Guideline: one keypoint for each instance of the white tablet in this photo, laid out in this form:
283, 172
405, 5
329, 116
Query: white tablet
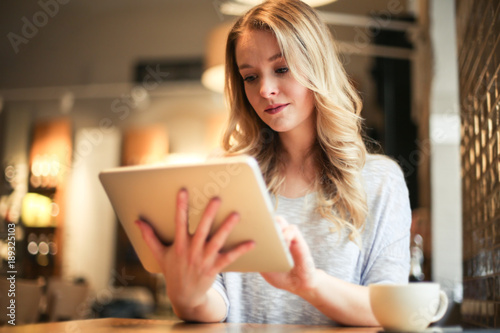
150, 192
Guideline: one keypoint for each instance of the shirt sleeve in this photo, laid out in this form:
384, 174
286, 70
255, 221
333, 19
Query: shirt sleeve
388, 256
220, 287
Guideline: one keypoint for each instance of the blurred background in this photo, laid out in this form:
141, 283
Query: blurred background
88, 85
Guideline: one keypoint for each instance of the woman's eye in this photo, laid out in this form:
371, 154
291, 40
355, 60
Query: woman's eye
282, 70
249, 78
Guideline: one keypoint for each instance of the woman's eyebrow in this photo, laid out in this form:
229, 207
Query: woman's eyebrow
270, 59
274, 57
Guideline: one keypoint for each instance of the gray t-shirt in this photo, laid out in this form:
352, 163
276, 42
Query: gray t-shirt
384, 255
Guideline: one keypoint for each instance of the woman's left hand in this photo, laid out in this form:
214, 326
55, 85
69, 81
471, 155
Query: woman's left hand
303, 276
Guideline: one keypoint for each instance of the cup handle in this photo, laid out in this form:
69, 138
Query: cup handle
443, 306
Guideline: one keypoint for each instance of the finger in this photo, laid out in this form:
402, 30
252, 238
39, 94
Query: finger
281, 221
283, 226
300, 251
181, 217
203, 229
289, 234
226, 258
218, 240
151, 240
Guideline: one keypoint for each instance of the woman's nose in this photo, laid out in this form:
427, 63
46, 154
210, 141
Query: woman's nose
268, 87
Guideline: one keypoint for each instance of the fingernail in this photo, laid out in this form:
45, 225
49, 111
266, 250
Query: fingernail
183, 193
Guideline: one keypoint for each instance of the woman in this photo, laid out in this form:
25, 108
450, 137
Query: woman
344, 213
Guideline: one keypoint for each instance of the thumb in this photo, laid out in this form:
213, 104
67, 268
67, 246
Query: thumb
300, 252
281, 221
153, 243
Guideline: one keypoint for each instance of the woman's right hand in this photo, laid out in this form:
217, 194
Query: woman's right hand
191, 264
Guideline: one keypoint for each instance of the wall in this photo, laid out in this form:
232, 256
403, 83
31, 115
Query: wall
85, 42
445, 160
90, 221
83, 47
478, 32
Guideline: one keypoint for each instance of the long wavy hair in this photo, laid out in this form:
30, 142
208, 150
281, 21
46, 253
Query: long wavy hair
339, 150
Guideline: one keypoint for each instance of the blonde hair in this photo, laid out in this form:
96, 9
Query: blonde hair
339, 151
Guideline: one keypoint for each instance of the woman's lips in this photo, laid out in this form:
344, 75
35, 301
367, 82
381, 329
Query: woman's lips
275, 108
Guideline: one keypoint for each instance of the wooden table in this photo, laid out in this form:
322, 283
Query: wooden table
110, 325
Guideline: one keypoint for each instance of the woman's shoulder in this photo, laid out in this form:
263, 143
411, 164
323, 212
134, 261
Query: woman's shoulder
382, 170
381, 164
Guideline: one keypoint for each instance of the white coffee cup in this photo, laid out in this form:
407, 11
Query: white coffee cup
410, 307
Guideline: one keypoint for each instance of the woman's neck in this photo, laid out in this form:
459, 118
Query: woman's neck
300, 178
297, 144
299, 159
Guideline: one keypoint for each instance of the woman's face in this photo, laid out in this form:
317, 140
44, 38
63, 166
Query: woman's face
279, 100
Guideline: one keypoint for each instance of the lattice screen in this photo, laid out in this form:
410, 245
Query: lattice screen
478, 36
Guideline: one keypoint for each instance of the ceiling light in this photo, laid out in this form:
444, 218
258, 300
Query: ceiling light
312, 3
240, 7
